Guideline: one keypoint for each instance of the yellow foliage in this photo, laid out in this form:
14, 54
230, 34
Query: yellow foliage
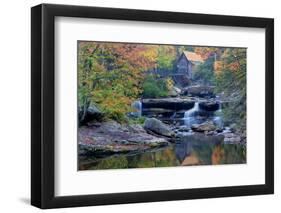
218, 65
169, 83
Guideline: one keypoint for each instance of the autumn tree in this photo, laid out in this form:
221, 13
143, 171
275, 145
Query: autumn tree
166, 57
226, 69
231, 81
110, 74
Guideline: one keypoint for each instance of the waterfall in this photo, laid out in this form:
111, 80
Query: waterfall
189, 117
137, 105
190, 112
218, 121
197, 116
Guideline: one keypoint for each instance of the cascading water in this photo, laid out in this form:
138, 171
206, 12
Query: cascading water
137, 105
217, 119
189, 116
197, 116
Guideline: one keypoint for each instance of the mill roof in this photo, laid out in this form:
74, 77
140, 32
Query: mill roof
192, 56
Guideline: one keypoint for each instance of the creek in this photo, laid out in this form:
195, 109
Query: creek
189, 149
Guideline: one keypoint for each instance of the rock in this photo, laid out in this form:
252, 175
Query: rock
219, 130
178, 90
174, 92
209, 132
92, 114
114, 138
231, 138
101, 151
209, 105
110, 126
179, 114
168, 103
124, 142
198, 90
233, 127
155, 112
243, 136
183, 129
206, 126
142, 139
94, 111
136, 128
156, 126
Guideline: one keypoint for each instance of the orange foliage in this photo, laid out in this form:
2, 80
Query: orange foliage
217, 155
205, 52
218, 65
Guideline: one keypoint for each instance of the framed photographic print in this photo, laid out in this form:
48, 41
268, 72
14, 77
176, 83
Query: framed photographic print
139, 106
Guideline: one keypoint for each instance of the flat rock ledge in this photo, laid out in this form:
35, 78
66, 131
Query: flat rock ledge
168, 103
110, 138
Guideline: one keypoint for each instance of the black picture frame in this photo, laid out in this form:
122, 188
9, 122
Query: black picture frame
43, 105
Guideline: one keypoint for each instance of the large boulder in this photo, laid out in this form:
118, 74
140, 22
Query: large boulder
174, 92
91, 114
209, 105
168, 103
198, 90
204, 127
156, 126
94, 111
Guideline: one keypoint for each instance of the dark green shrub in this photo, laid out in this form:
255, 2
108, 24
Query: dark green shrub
154, 88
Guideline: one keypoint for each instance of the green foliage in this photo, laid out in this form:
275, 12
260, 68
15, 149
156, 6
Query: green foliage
204, 74
233, 153
228, 74
154, 88
139, 120
231, 82
166, 57
180, 50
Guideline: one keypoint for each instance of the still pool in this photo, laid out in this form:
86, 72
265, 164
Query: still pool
189, 150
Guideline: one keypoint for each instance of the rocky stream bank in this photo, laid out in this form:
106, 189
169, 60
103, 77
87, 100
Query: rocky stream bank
167, 121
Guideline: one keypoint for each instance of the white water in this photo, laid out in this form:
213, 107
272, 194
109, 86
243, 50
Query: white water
137, 105
218, 121
190, 112
189, 117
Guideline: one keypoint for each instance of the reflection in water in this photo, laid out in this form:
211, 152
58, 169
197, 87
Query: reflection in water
189, 150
